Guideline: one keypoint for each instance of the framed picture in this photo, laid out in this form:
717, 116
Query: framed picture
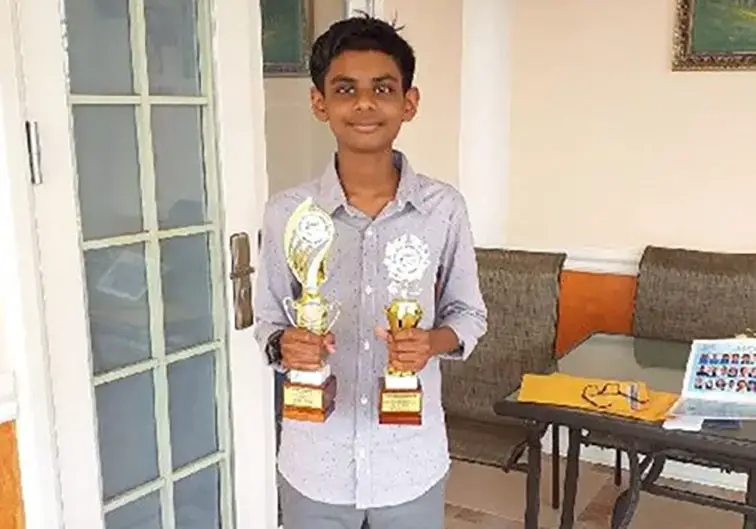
287, 35
715, 35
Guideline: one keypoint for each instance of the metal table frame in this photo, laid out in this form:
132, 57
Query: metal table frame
648, 447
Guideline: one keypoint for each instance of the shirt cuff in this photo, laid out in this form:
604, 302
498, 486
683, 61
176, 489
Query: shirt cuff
466, 337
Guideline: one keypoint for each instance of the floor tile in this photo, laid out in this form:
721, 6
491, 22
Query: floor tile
482, 497
462, 518
598, 513
492, 491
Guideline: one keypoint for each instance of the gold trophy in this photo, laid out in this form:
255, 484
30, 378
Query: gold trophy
309, 395
401, 398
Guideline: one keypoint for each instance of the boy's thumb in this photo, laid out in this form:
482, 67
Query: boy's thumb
382, 333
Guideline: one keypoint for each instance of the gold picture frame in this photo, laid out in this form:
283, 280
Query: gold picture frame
287, 36
715, 35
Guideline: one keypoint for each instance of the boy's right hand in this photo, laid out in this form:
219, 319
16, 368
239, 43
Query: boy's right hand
303, 350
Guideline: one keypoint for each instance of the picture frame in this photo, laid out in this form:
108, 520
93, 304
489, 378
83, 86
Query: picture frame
287, 36
715, 35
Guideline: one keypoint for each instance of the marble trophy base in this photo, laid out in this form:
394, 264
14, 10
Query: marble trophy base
309, 395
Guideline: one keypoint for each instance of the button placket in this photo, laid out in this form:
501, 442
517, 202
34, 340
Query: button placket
364, 374
366, 383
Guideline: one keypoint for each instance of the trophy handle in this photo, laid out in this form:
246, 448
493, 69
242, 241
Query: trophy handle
334, 310
290, 308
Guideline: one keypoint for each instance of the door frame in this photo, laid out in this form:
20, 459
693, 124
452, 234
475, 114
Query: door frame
48, 314
21, 285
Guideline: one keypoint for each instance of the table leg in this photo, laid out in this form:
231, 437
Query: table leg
627, 502
749, 522
533, 502
571, 480
555, 466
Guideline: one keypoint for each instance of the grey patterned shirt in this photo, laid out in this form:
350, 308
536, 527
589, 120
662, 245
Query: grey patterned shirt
351, 458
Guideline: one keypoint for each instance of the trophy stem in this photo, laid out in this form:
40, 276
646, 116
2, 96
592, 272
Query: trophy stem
401, 394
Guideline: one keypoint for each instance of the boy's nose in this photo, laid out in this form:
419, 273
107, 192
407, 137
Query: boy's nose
365, 101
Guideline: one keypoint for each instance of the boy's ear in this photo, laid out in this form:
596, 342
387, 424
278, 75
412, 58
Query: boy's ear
411, 103
317, 103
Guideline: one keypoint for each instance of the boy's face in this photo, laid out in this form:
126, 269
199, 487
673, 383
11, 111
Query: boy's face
363, 101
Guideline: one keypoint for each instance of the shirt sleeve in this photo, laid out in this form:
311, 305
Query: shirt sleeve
274, 281
460, 303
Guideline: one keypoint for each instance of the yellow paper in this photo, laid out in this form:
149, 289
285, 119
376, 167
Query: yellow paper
616, 397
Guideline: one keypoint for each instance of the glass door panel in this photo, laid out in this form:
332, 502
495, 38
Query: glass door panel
108, 167
139, 73
99, 46
178, 150
119, 315
187, 292
127, 434
144, 513
173, 52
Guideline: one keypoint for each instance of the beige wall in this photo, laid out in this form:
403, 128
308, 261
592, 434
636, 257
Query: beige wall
434, 29
610, 148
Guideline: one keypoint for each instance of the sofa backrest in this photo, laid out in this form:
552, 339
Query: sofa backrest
521, 291
687, 294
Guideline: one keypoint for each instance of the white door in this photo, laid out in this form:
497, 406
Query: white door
151, 150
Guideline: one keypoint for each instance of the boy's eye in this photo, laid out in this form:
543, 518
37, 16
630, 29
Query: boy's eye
345, 89
383, 89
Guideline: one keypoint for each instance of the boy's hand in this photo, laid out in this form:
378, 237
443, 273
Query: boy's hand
303, 350
409, 349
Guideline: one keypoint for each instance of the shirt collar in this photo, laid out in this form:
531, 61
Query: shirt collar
331, 194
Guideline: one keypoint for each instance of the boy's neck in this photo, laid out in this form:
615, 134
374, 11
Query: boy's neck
368, 175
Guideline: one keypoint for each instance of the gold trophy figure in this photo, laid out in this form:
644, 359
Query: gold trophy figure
309, 395
407, 258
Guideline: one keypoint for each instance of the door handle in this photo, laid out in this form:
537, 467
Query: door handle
241, 279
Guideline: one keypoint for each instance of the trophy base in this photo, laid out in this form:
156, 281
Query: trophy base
307, 402
400, 406
309, 378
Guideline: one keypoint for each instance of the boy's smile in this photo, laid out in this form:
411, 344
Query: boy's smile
363, 101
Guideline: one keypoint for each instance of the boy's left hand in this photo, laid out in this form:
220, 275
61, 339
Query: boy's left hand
409, 349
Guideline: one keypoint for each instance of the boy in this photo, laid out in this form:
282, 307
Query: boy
351, 470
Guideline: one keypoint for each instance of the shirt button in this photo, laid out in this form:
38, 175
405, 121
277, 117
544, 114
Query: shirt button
366, 345
364, 400
368, 290
369, 232
361, 453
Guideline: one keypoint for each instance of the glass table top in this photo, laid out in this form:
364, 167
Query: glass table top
659, 363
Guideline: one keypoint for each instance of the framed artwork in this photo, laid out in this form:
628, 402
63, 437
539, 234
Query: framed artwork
715, 35
287, 35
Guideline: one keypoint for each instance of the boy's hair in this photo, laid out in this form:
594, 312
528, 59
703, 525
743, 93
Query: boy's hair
361, 33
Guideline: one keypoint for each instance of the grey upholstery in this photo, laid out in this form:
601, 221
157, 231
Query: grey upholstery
521, 291
687, 294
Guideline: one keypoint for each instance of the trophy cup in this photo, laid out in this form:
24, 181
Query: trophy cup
401, 398
309, 395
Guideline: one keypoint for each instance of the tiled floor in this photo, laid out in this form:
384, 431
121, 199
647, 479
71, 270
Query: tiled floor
486, 498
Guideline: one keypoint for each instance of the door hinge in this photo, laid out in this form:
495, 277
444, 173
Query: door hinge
32, 147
